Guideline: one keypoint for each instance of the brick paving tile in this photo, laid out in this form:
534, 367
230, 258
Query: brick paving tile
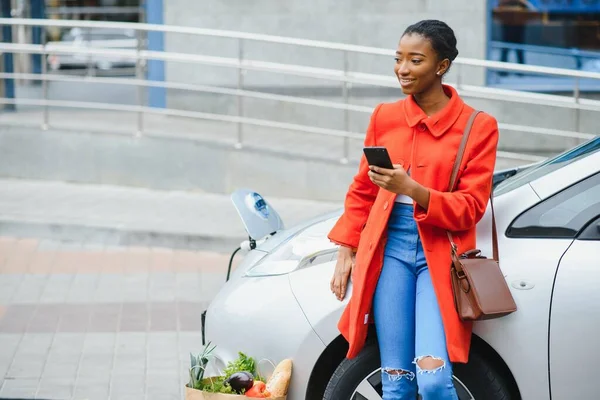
42, 262
17, 260
92, 321
109, 317
7, 246
19, 256
19, 388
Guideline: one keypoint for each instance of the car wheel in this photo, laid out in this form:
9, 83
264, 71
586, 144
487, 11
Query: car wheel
360, 379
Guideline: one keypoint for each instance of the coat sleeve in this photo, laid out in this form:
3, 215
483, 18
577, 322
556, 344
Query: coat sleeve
359, 198
464, 207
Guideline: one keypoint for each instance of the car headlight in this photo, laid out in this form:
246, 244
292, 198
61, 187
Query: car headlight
304, 249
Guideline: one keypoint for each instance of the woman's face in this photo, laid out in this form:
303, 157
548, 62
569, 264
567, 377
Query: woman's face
417, 64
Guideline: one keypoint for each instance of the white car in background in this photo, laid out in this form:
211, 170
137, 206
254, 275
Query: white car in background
277, 303
63, 54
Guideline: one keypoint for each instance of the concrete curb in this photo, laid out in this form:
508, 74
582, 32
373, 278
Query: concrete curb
118, 237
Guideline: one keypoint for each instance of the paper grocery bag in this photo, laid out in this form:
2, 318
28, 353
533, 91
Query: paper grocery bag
194, 394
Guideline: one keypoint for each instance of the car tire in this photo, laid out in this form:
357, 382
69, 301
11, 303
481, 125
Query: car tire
479, 378
483, 379
351, 372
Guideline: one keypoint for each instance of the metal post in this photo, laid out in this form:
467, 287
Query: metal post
46, 118
458, 77
139, 74
346, 96
90, 64
240, 100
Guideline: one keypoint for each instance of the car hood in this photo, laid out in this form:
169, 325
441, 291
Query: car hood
284, 234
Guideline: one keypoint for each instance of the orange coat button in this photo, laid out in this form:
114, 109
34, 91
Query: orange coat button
422, 127
385, 205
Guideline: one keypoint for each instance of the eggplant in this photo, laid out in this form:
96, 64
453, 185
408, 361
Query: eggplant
240, 382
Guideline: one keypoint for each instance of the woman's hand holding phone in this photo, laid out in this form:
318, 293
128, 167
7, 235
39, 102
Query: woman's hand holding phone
393, 177
394, 180
383, 173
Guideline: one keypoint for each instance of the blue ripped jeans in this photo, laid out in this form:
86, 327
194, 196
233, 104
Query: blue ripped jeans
407, 317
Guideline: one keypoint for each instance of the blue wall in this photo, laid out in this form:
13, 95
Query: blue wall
9, 84
38, 10
156, 42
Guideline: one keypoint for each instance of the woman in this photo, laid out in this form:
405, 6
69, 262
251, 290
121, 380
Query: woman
395, 221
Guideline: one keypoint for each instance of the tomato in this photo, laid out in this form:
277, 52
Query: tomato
258, 390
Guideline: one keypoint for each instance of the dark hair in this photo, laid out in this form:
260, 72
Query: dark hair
439, 34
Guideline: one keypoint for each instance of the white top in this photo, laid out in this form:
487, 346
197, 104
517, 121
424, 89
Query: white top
402, 198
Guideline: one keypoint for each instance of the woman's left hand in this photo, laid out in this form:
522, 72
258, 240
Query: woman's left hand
393, 180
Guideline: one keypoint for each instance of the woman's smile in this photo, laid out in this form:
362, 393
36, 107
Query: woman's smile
405, 82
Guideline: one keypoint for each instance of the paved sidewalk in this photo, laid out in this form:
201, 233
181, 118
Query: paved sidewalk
93, 321
102, 287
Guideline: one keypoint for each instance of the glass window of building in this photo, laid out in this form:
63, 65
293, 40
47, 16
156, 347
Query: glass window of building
555, 33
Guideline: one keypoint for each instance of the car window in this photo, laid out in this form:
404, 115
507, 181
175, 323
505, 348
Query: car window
97, 34
530, 174
591, 232
562, 215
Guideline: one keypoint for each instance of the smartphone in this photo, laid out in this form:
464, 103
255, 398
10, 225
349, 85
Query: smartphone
378, 156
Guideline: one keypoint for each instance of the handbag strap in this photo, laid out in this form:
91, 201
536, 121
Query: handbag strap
452, 184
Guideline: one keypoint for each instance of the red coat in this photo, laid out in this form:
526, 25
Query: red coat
428, 146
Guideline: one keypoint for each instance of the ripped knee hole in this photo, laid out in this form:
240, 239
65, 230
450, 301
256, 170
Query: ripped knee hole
397, 374
429, 364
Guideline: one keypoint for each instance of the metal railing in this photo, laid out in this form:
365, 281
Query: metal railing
577, 54
345, 77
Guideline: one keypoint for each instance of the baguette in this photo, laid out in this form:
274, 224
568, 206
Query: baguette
279, 382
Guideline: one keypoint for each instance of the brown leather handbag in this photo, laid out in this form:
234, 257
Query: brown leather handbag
479, 286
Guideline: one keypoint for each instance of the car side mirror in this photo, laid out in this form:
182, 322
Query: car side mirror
258, 216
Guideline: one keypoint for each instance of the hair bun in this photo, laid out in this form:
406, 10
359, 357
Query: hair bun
454, 54
440, 35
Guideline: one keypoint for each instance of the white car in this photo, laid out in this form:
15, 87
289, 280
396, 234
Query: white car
277, 303
64, 54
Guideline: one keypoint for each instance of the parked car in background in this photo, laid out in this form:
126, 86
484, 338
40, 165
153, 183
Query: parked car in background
82, 38
278, 303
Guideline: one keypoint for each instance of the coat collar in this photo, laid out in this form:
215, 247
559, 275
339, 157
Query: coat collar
441, 121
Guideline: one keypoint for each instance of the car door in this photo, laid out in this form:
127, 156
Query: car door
575, 310
572, 214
